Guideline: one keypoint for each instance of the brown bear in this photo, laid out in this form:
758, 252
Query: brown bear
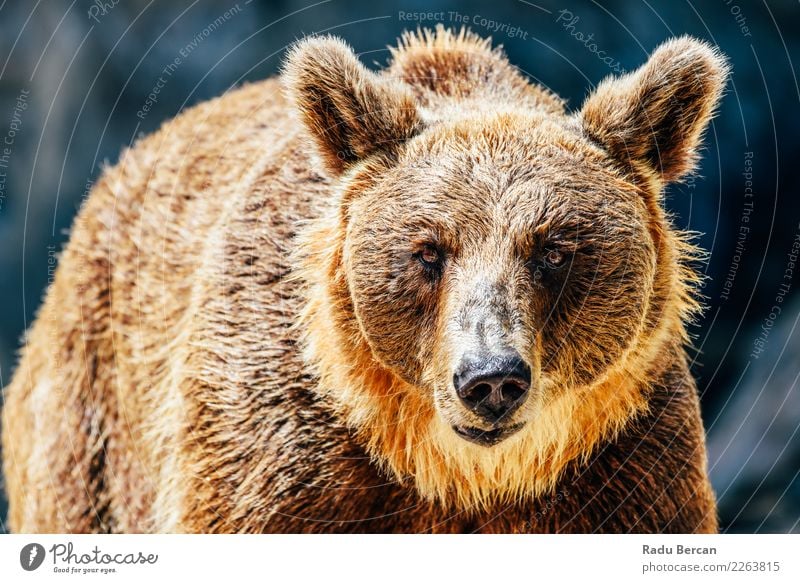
428, 299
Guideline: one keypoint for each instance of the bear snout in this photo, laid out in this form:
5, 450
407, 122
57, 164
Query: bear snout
492, 385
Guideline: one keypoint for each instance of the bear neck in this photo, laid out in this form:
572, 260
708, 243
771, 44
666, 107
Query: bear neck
397, 423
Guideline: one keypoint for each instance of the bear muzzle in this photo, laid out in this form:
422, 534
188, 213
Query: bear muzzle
492, 385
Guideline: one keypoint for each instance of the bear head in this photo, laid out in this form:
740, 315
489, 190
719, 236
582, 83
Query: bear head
493, 282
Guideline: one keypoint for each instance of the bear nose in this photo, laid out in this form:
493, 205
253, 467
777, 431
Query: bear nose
492, 386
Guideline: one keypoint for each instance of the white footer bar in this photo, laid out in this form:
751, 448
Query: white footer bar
386, 558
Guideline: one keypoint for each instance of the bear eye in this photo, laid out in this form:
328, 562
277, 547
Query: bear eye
555, 258
429, 256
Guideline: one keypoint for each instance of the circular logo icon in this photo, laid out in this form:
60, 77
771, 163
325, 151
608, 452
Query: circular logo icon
31, 556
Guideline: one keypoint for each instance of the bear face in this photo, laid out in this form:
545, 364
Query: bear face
493, 280
469, 258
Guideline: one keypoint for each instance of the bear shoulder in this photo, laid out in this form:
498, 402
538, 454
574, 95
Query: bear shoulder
443, 64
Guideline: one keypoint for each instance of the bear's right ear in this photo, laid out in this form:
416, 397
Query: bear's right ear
350, 112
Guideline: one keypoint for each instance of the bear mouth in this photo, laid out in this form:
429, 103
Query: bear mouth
486, 437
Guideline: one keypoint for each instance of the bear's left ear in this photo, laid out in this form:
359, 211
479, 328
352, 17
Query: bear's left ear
349, 111
652, 119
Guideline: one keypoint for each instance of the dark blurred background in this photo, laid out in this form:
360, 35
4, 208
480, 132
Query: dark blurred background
75, 79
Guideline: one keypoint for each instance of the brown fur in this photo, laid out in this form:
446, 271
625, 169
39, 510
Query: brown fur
240, 339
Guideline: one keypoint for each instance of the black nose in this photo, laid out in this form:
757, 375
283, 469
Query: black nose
492, 385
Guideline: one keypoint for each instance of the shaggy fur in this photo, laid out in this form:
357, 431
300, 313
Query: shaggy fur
241, 337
